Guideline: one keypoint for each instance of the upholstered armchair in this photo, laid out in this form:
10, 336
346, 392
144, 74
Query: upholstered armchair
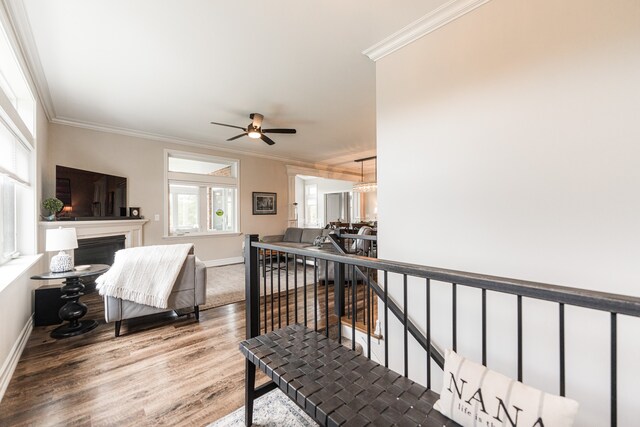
189, 290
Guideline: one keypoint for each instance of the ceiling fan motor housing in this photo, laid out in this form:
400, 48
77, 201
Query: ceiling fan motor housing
257, 120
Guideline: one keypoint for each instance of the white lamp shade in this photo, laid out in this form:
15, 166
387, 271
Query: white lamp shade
61, 239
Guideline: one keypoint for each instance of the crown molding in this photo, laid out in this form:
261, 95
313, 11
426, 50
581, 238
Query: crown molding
430, 22
191, 143
19, 20
15, 15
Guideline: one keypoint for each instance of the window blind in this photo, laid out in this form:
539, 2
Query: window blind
14, 157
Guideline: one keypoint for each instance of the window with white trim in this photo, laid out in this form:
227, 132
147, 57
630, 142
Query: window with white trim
17, 119
202, 194
311, 205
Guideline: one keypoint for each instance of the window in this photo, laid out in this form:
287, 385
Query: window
356, 206
311, 205
203, 194
17, 118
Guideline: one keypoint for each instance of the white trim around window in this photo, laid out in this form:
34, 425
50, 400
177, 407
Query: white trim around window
198, 203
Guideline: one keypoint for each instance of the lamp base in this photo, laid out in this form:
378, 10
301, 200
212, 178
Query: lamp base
61, 263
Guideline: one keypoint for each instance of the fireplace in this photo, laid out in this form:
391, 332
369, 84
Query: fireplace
98, 250
93, 234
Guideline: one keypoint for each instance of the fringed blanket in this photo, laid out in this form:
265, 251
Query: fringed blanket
145, 274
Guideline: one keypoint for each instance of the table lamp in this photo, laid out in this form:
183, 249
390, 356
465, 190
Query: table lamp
61, 239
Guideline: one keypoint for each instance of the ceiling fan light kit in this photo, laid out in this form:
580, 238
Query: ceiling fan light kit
254, 129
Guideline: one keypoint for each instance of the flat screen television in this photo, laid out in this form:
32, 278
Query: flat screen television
90, 195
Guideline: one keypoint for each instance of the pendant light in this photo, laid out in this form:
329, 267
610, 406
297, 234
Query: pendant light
366, 187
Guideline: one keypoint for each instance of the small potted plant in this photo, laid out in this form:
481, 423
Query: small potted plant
53, 206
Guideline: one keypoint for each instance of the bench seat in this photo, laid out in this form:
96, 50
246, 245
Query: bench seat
336, 386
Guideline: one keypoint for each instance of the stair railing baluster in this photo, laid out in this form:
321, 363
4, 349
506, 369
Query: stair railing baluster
484, 327
614, 370
304, 279
519, 338
406, 326
368, 315
454, 313
354, 308
315, 294
326, 295
428, 327
286, 280
295, 286
338, 293
279, 291
264, 287
561, 336
271, 295
386, 320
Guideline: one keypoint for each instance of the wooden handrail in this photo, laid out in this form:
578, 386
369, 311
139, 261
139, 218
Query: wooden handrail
603, 301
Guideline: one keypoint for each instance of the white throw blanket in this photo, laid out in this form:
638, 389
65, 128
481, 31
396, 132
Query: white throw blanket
145, 274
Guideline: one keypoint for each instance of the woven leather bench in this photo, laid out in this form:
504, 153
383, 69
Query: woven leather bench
335, 385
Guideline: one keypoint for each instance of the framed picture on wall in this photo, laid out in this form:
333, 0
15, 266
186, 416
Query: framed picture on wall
265, 203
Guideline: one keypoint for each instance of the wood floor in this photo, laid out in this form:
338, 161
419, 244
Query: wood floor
165, 370
162, 370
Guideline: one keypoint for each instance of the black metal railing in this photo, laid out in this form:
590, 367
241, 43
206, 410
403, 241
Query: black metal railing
262, 309
358, 244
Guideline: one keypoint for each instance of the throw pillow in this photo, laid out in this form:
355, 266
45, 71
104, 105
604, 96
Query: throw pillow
473, 395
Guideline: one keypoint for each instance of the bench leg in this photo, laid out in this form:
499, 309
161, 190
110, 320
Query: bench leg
196, 311
118, 324
249, 392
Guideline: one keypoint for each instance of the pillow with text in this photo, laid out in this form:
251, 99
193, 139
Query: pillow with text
474, 395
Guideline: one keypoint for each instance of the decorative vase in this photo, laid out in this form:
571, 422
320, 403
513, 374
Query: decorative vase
51, 217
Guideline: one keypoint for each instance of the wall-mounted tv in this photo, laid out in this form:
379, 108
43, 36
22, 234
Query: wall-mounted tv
90, 195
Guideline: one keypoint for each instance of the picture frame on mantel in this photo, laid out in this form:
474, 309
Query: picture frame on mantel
265, 203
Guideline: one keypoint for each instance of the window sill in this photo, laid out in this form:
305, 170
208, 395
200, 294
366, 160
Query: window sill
200, 235
12, 270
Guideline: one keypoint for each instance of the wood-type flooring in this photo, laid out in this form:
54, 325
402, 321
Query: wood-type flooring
163, 369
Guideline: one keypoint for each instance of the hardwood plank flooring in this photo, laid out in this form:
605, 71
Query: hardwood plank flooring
161, 370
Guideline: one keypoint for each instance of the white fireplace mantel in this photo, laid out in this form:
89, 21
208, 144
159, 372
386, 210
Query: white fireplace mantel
130, 228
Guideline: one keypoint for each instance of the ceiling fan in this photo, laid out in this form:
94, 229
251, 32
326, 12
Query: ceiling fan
254, 129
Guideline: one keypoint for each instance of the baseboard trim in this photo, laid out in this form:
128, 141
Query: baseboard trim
10, 363
224, 261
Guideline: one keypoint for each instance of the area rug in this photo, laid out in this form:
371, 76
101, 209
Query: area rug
225, 284
274, 409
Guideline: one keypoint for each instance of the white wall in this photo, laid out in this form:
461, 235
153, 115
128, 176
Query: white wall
142, 162
517, 128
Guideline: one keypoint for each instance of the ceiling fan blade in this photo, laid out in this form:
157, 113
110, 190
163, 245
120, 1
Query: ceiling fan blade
237, 136
266, 139
279, 130
229, 126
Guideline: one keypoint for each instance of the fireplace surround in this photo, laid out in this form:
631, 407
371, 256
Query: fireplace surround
89, 231
97, 243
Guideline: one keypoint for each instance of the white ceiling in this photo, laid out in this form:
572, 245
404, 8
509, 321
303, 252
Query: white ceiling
170, 67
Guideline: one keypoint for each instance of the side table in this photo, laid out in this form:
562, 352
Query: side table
73, 310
